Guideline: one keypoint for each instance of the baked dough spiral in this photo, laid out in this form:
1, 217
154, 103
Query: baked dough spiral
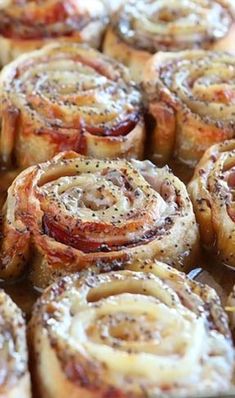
212, 191
15, 379
143, 27
191, 99
26, 25
148, 331
74, 212
68, 97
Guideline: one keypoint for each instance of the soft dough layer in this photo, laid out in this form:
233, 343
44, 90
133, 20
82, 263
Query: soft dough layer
146, 331
15, 379
190, 97
75, 212
68, 97
28, 25
212, 191
141, 28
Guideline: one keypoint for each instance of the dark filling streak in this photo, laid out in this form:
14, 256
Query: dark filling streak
82, 243
122, 129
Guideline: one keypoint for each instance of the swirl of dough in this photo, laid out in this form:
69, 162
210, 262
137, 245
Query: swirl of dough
74, 212
26, 25
14, 374
191, 98
66, 97
212, 190
147, 331
142, 28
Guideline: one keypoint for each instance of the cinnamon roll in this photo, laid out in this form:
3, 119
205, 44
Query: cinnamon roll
144, 27
145, 332
68, 97
191, 102
212, 191
74, 212
27, 25
14, 374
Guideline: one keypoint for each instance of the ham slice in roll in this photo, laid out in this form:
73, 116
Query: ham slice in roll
212, 190
75, 212
141, 28
66, 96
190, 98
26, 25
146, 331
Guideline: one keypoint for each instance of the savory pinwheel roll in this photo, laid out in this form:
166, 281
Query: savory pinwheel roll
68, 97
75, 212
148, 332
212, 191
27, 25
15, 379
143, 27
191, 102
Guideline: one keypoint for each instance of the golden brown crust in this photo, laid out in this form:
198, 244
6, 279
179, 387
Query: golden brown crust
29, 26
146, 332
76, 212
212, 194
190, 97
140, 29
135, 59
66, 97
227, 43
15, 379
